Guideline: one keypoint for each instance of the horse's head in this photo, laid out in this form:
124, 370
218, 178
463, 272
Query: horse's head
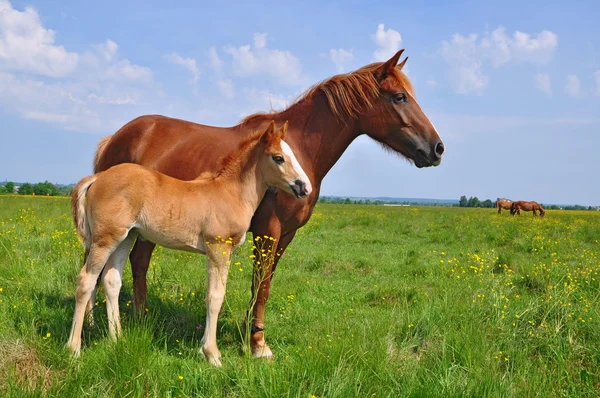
279, 165
396, 120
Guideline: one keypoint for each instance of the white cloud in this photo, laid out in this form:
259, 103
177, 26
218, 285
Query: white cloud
261, 100
95, 90
259, 60
387, 41
51, 103
431, 83
573, 87
215, 60
341, 58
108, 50
542, 83
468, 55
260, 40
26, 45
226, 88
124, 70
187, 63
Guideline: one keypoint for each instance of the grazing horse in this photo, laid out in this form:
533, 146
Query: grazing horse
503, 204
208, 215
377, 100
527, 206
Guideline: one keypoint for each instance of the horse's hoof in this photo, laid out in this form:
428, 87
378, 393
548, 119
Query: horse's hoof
215, 362
262, 352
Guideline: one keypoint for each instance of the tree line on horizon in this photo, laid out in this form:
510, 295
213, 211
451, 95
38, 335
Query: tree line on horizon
45, 188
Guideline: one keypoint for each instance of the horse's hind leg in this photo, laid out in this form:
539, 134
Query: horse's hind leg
112, 279
140, 261
88, 276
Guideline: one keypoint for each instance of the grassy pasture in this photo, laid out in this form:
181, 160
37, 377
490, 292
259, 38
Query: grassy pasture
367, 301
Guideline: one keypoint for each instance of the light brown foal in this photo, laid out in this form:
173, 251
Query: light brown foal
208, 215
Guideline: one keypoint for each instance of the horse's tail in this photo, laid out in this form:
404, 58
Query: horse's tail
100, 150
78, 209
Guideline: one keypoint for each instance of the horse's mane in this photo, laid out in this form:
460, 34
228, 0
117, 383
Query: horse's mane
348, 95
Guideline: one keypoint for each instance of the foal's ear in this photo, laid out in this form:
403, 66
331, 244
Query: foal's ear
283, 130
270, 131
388, 66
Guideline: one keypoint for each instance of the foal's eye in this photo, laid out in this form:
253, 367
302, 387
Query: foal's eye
278, 159
399, 98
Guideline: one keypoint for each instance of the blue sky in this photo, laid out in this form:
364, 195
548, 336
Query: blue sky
513, 88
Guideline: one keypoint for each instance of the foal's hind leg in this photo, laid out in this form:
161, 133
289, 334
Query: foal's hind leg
88, 276
218, 268
112, 279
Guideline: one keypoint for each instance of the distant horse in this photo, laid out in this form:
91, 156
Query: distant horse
503, 204
516, 208
377, 100
208, 215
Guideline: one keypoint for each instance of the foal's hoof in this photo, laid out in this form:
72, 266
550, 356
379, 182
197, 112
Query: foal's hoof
215, 362
263, 351
75, 351
212, 358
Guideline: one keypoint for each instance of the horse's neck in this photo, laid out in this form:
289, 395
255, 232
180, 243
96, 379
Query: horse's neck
318, 134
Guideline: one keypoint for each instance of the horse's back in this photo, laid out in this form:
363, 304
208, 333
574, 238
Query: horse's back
174, 147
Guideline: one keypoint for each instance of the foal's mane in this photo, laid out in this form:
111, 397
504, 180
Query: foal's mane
348, 94
232, 162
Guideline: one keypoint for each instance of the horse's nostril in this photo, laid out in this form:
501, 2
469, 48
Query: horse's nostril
439, 149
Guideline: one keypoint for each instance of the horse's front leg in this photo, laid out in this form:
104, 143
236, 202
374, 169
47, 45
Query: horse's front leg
218, 268
261, 288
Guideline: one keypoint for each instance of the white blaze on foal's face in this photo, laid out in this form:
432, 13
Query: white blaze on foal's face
284, 171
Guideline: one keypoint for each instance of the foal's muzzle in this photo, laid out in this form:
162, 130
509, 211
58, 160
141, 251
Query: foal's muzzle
299, 188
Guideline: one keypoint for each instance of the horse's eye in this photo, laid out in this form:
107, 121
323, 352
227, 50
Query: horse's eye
399, 98
278, 159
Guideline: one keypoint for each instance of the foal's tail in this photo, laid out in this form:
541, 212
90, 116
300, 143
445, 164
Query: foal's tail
78, 209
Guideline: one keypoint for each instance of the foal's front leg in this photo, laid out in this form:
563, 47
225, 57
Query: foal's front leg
218, 267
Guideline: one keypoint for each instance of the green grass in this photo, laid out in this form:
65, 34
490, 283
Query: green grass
367, 301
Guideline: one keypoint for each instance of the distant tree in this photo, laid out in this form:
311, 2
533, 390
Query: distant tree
487, 203
368, 201
45, 188
473, 202
463, 202
9, 187
2, 189
26, 189
347, 201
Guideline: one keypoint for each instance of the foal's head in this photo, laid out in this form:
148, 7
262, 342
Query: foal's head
279, 165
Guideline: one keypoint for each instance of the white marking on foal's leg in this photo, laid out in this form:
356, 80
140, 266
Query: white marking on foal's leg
112, 279
288, 151
86, 282
218, 258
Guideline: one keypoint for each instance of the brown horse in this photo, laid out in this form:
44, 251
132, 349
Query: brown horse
503, 204
208, 215
527, 206
377, 100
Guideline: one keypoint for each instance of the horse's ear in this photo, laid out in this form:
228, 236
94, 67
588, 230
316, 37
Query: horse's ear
283, 130
388, 66
401, 64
